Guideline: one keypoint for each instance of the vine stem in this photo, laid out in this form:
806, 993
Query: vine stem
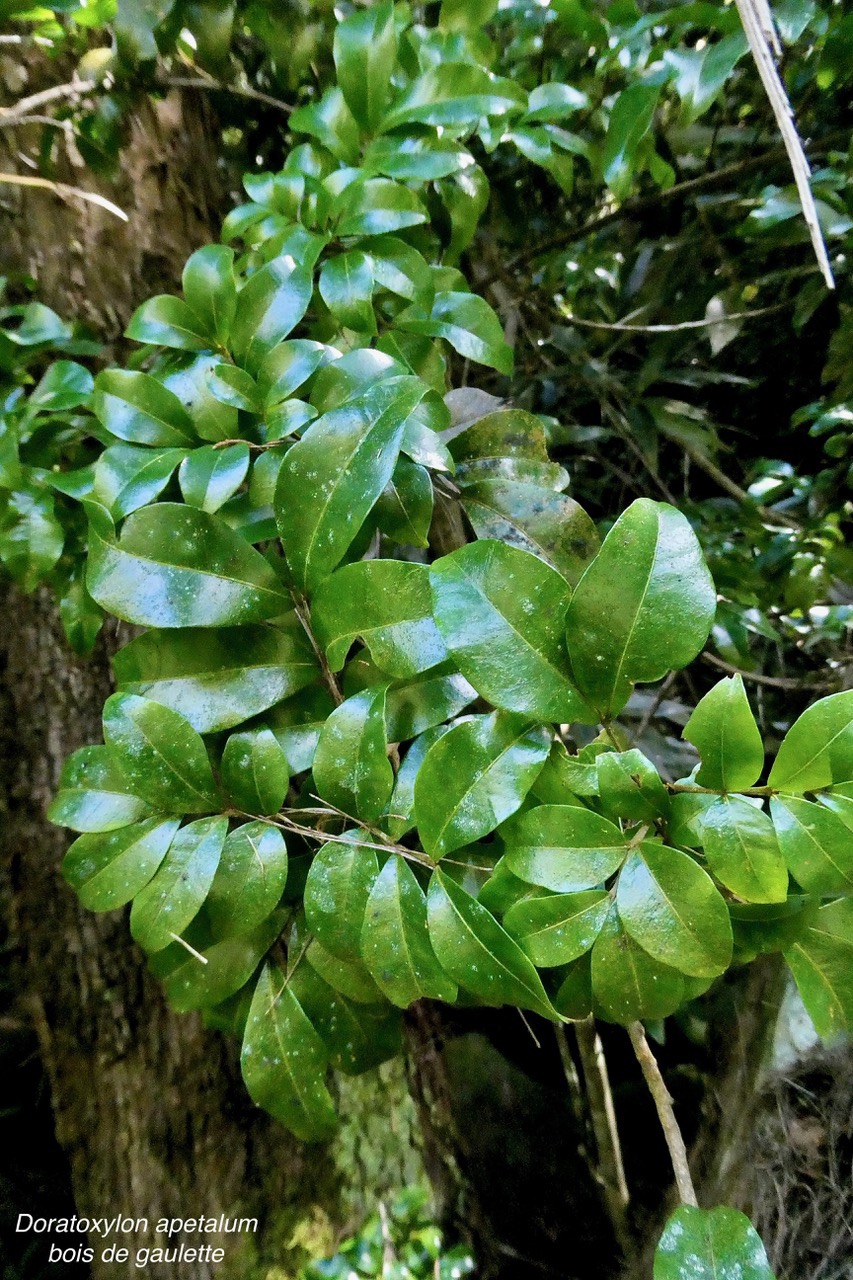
688, 789
300, 605
663, 1103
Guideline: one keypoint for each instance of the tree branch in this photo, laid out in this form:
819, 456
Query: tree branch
663, 1103
26, 106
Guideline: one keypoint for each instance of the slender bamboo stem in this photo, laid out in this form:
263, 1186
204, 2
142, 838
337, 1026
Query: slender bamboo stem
663, 1103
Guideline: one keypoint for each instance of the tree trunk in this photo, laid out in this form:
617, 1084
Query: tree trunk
149, 1108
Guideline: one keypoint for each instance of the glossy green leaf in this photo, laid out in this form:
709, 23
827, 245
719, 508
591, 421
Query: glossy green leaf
556, 930
643, 607
387, 604
722, 728
710, 1244
249, 880
467, 322
351, 766
454, 93
404, 508
742, 850
166, 321
164, 908
254, 771
270, 304
413, 706
210, 476
175, 566
128, 477
211, 290
217, 678
630, 121
106, 871
627, 983
137, 408
475, 777
401, 806
818, 748
550, 103
289, 366
94, 795
235, 387
332, 123
63, 385
501, 613
821, 960
228, 964
284, 1061
331, 479
535, 519
160, 754
378, 206
670, 906
395, 943
365, 50
336, 893
346, 287
466, 15
477, 953
563, 848
350, 977
357, 1037
630, 787
815, 844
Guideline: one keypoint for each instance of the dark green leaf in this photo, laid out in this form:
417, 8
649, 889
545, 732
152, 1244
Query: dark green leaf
106, 871
254, 771
365, 50
454, 93
563, 848
630, 787
710, 1244
357, 1038
270, 304
166, 321
346, 287
164, 908
336, 893
742, 850
627, 983
404, 508
378, 206
128, 477
478, 954
556, 930
137, 408
93, 794
161, 756
395, 942
351, 766
467, 322
670, 906
723, 730
211, 290
535, 519
630, 121
815, 844
249, 880
210, 476
228, 965
821, 960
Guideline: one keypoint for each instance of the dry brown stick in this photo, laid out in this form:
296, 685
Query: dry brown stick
773, 682
62, 189
603, 1117
217, 86
663, 1103
26, 106
621, 327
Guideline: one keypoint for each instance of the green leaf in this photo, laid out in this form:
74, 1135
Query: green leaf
556, 930
415, 705
423, 159
128, 477
395, 943
551, 103
477, 953
466, 15
401, 806
249, 880
365, 50
31, 537
161, 756
821, 960
331, 478
175, 566
284, 1060
235, 387
467, 322
211, 290
643, 607
164, 908
336, 892
270, 304
210, 476
454, 93
563, 848
722, 728
357, 1038
189, 377
217, 679
404, 508
630, 787
137, 408
815, 844
63, 385
630, 121
254, 771
351, 766
228, 964
289, 366
670, 906
349, 977
818, 748
701, 75
742, 850
331, 122
627, 983
475, 777
501, 613
93, 794
106, 871
710, 1244
346, 287
387, 604
166, 321
533, 518
376, 207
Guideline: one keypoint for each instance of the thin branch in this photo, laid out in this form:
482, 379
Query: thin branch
755, 16
603, 1117
621, 327
773, 682
300, 605
663, 1103
63, 189
217, 86
26, 106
